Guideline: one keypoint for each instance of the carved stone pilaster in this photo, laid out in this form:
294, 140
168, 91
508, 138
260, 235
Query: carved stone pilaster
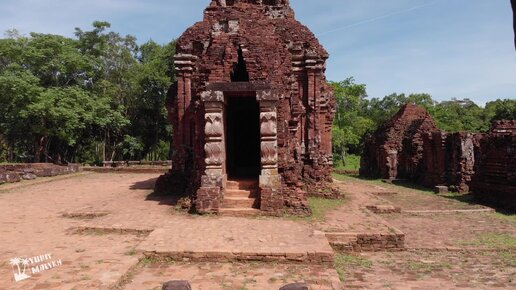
269, 178
269, 142
214, 178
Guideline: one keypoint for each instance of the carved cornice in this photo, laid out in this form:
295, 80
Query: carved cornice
184, 62
212, 96
267, 95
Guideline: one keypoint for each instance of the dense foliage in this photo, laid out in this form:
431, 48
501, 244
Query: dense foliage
98, 96
358, 115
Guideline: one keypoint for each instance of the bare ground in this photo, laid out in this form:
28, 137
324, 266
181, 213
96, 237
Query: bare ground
468, 250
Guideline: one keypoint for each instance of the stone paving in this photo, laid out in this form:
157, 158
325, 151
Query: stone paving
236, 239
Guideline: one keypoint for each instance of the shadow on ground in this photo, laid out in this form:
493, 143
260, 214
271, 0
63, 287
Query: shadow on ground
170, 199
468, 198
144, 185
164, 199
402, 183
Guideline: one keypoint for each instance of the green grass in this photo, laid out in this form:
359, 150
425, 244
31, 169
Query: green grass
492, 241
511, 217
352, 163
509, 258
355, 178
146, 261
320, 207
132, 252
425, 268
343, 262
379, 182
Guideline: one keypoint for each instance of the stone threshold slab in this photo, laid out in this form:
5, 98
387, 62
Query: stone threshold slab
229, 239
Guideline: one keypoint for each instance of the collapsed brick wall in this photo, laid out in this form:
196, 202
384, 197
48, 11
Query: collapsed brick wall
460, 161
435, 164
449, 159
11, 173
395, 150
409, 146
495, 169
281, 55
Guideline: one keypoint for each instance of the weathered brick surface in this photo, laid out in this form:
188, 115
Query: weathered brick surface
11, 173
352, 242
460, 160
284, 69
495, 178
395, 150
384, 209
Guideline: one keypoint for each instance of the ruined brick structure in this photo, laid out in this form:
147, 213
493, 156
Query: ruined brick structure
10, 173
395, 150
409, 146
495, 169
251, 103
449, 159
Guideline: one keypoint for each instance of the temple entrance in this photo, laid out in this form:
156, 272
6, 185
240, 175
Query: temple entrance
243, 138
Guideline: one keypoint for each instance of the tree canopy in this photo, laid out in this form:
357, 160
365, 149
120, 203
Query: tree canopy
98, 96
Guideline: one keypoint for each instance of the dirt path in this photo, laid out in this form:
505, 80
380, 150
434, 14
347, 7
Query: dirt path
31, 224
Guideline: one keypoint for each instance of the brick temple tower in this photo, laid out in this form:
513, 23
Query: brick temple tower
252, 111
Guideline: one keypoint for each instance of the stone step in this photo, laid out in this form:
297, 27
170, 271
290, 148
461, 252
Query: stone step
239, 212
240, 202
242, 184
249, 193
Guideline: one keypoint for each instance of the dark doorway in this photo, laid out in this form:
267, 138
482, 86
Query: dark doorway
240, 73
243, 137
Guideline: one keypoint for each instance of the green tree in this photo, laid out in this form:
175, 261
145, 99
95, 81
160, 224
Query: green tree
18, 89
149, 118
65, 99
350, 123
499, 110
460, 115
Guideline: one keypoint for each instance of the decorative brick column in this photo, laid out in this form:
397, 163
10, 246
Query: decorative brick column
184, 64
270, 182
210, 194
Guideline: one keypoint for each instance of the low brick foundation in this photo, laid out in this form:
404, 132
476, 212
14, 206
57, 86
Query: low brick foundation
225, 257
164, 163
11, 173
133, 169
367, 242
384, 209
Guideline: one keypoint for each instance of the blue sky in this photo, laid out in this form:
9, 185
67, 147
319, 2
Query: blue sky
448, 48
